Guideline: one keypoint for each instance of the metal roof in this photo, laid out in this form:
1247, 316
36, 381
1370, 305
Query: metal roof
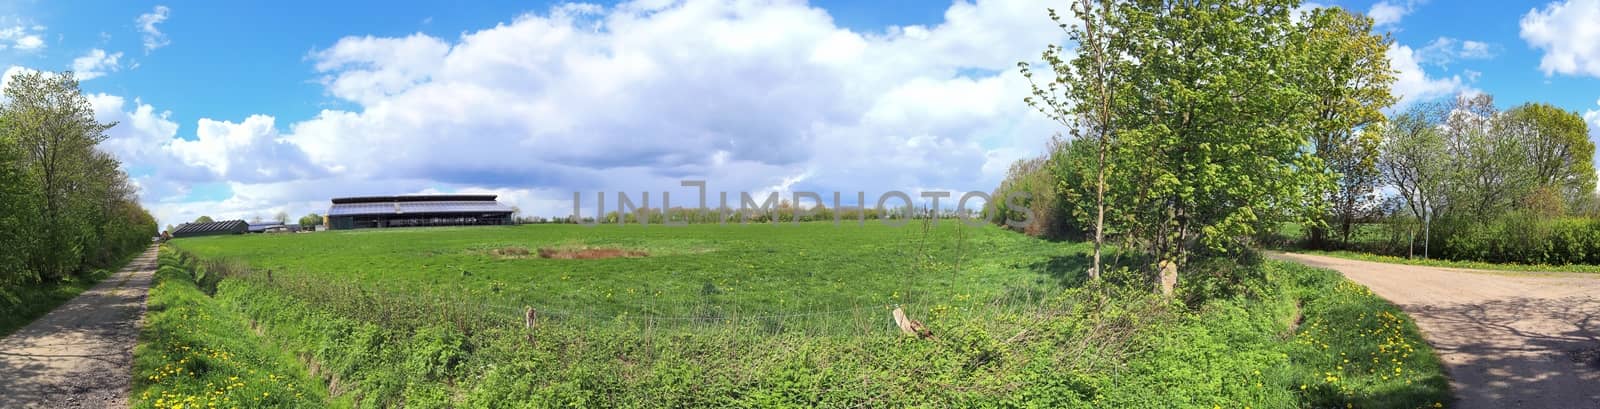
414, 198
259, 227
431, 207
199, 228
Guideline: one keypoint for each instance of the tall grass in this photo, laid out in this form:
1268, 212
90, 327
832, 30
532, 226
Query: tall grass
1064, 344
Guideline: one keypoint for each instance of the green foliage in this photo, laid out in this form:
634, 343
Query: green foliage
1347, 73
1058, 346
66, 208
193, 352
1038, 199
204, 219
310, 221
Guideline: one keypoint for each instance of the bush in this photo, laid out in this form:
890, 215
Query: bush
1521, 238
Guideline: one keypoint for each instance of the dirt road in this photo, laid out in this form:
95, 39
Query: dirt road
81, 354
1509, 340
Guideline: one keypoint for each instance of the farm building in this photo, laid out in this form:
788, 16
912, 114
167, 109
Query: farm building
274, 227
211, 229
417, 210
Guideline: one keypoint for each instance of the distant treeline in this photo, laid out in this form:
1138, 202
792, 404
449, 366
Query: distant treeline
66, 207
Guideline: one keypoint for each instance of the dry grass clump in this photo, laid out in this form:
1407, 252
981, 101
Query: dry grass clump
589, 253
510, 252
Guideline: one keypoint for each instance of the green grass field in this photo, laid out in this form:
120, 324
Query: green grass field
426, 318
757, 269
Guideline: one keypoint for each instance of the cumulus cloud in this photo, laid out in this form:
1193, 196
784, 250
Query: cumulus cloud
1569, 35
1593, 117
1445, 50
1412, 84
96, 63
746, 94
22, 37
1388, 13
153, 37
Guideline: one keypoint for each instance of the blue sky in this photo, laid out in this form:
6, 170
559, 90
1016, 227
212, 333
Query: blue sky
243, 110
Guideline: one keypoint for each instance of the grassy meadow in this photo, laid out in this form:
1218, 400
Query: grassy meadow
761, 316
755, 269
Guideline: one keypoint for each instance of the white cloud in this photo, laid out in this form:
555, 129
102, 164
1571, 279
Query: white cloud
1388, 13
1412, 83
1569, 34
746, 94
153, 37
1593, 117
1445, 50
21, 36
96, 63
248, 152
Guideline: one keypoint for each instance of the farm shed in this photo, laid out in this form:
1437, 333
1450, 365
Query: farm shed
211, 229
417, 210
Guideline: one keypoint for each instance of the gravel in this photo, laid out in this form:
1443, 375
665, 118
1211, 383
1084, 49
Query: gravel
81, 354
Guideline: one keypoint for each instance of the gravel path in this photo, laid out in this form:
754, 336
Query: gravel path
81, 354
1509, 340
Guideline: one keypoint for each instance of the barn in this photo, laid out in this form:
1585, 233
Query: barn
211, 229
417, 210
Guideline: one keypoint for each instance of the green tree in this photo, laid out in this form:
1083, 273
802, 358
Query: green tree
204, 219
1414, 159
1346, 71
1211, 125
1488, 173
1559, 152
310, 221
17, 218
52, 122
1080, 96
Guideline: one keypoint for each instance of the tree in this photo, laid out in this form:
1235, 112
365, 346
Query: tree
310, 221
1489, 173
1347, 73
204, 219
281, 217
1210, 124
17, 208
1558, 150
52, 122
66, 207
1413, 159
1080, 95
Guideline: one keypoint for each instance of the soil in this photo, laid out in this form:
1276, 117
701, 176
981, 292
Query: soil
590, 254
1508, 340
81, 354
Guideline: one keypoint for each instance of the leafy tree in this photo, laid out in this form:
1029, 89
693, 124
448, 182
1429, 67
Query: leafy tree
1413, 158
65, 206
1559, 152
1210, 123
16, 217
1347, 73
1080, 96
310, 221
1488, 169
52, 122
204, 219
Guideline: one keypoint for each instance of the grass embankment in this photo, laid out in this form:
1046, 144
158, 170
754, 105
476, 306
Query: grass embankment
382, 337
1473, 265
35, 301
195, 353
